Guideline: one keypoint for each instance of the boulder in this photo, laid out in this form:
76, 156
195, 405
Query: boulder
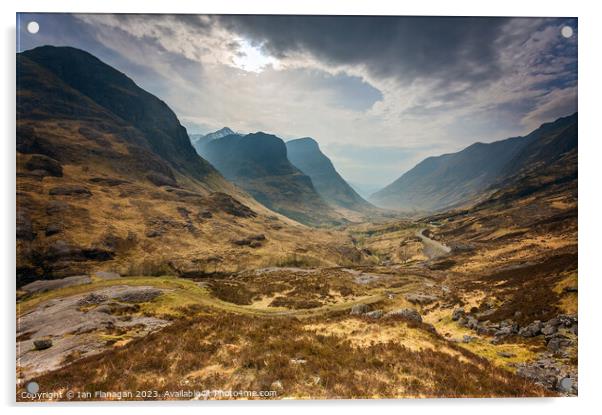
205, 215
374, 314
532, 330
405, 313
359, 309
49, 166
159, 179
422, 299
540, 374
92, 299
139, 296
472, 323
108, 181
53, 229
467, 339
254, 241
226, 203
47, 285
549, 329
565, 385
62, 249
457, 314
70, 190
557, 343
42, 344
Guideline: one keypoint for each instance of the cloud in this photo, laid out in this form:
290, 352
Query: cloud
405, 86
406, 48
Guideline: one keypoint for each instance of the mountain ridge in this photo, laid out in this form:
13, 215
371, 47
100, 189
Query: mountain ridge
306, 155
258, 163
441, 182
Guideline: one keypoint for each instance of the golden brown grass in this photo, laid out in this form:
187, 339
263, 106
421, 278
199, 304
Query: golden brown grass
232, 352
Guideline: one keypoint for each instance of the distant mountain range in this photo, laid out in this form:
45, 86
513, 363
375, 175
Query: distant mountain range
259, 164
199, 141
306, 155
449, 180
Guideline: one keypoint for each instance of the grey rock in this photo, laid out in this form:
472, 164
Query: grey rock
70, 190
504, 331
556, 343
53, 229
374, 314
359, 309
49, 166
161, 180
532, 330
549, 329
406, 313
542, 375
139, 296
47, 285
565, 385
484, 330
42, 344
92, 299
422, 299
153, 233
467, 339
472, 323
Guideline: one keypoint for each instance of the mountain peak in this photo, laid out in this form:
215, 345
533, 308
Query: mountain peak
304, 140
224, 131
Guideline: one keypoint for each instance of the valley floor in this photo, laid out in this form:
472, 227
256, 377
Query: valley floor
461, 305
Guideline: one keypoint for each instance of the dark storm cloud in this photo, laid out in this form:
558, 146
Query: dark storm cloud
378, 93
454, 48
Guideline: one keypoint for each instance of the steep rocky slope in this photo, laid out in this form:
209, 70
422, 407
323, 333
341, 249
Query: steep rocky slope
107, 179
305, 154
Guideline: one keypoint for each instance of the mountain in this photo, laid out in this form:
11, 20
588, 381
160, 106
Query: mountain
199, 141
107, 180
445, 181
305, 154
365, 190
259, 164
117, 93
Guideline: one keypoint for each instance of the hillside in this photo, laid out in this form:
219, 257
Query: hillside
258, 163
452, 179
107, 180
305, 154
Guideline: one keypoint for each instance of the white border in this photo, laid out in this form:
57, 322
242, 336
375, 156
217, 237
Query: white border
590, 201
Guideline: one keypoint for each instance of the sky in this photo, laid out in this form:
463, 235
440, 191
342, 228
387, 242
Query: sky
378, 93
